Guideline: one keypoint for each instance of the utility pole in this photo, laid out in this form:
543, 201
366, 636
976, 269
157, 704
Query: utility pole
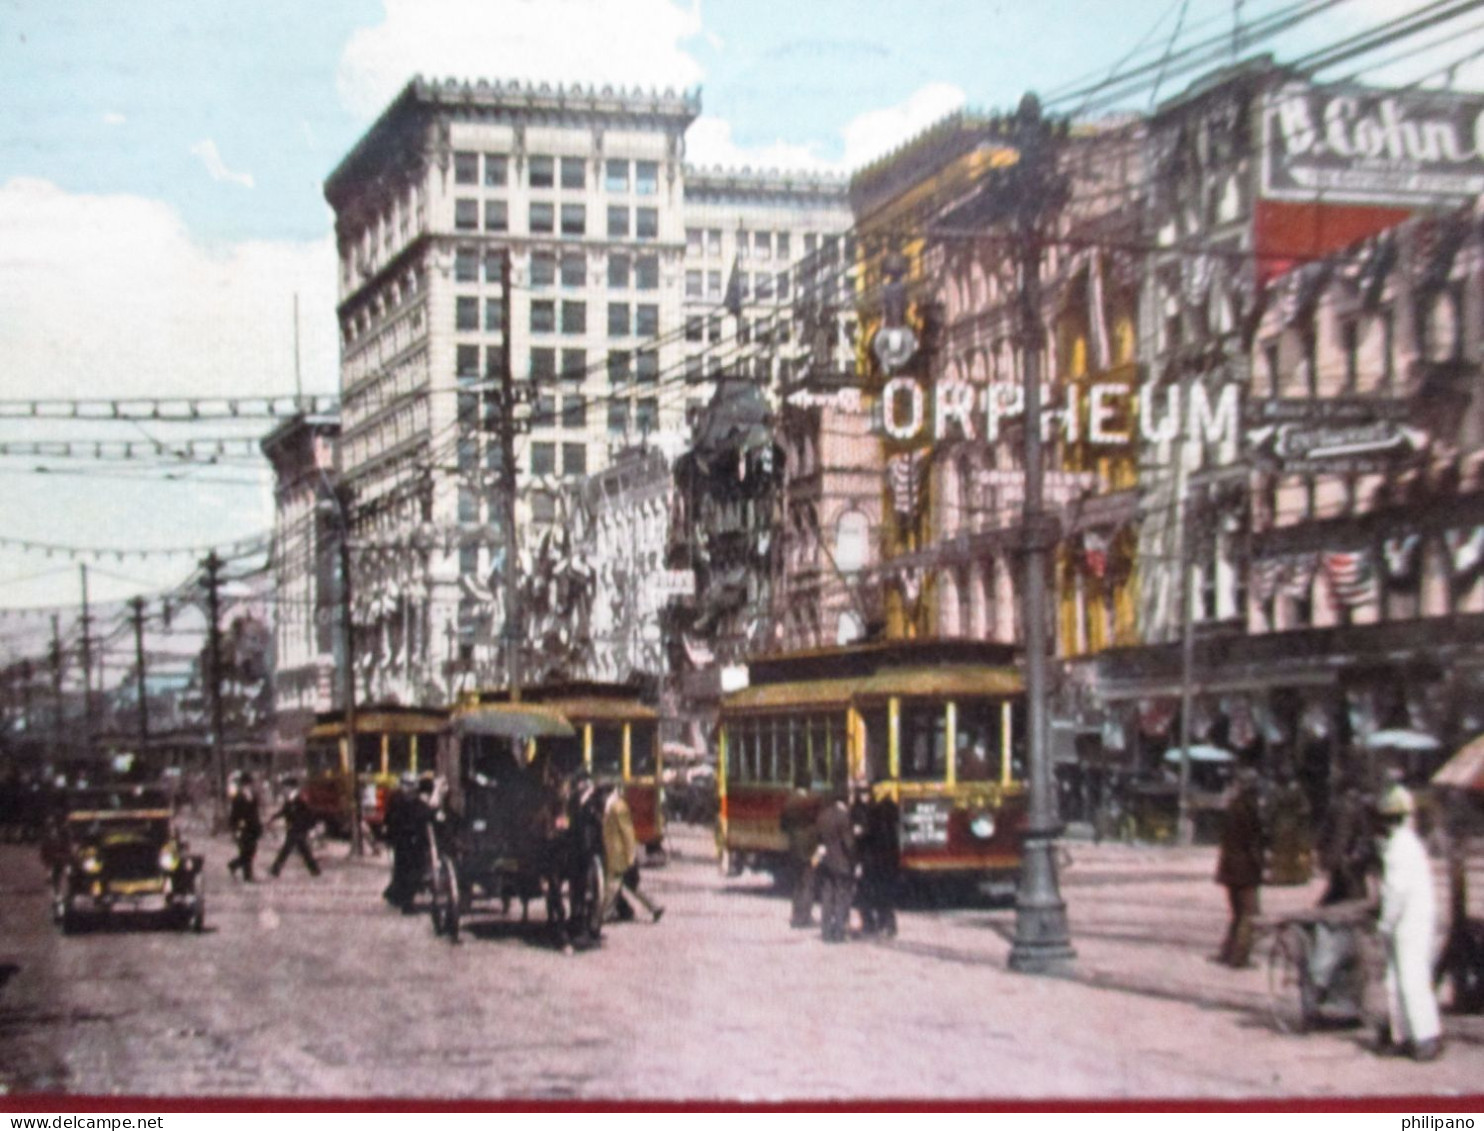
213, 566
136, 605
507, 492
56, 666
1042, 942
348, 669
89, 733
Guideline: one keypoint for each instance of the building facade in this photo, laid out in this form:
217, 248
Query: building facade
306, 638
482, 226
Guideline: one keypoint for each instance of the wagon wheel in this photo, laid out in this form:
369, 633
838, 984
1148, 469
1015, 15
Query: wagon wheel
592, 884
1290, 993
446, 899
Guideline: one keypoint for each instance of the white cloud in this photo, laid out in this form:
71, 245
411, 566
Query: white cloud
875, 133
216, 167
109, 296
709, 142
619, 42
114, 118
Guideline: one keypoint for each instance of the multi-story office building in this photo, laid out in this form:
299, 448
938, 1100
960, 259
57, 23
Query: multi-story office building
479, 226
748, 237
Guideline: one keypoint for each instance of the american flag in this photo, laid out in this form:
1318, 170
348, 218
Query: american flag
1351, 579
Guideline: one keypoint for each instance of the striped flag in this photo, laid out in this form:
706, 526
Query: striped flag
1352, 581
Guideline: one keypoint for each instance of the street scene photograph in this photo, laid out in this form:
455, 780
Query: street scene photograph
569, 553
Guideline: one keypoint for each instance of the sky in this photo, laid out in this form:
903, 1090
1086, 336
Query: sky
162, 163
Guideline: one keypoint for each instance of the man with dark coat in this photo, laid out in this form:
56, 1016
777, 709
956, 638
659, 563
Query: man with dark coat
834, 865
298, 822
407, 818
1239, 868
797, 823
246, 822
880, 857
577, 838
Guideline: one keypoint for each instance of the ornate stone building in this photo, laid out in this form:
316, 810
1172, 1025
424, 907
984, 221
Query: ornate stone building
575, 197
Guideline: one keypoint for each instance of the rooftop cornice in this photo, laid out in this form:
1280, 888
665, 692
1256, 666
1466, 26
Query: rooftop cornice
515, 95
398, 134
717, 179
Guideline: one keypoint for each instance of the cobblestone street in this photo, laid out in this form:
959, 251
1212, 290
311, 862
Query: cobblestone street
305, 987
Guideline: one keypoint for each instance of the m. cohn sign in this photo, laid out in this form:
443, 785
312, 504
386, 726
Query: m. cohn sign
1110, 413
1345, 144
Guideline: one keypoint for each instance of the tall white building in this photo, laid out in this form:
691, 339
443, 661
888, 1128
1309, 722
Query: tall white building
583, 189
614, 326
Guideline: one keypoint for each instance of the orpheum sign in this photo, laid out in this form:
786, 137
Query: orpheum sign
1349, 144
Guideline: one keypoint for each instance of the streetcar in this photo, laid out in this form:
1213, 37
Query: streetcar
390, 741
936, 726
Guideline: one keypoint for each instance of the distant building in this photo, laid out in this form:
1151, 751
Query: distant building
306, 607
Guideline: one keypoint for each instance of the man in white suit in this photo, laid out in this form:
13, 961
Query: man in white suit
1408, 923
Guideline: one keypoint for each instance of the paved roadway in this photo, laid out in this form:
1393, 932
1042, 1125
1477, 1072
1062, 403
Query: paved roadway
305, 987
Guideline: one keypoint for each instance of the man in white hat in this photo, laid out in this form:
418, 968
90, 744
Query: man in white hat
1407, 924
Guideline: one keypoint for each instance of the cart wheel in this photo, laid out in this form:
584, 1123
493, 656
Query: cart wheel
592, 881
446, 900
1289, 991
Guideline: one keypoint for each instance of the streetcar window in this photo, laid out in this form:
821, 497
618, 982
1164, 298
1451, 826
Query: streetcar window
608, 750
399, 753
878, 743
564, 754
734, 752
796, 751
924, 751
812, 770
643, 738
488, 760
320, 757
767, 745
368, 753
979, 743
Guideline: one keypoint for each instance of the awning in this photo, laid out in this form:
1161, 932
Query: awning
1465, 770
515, 722
1395, 739
1200, 752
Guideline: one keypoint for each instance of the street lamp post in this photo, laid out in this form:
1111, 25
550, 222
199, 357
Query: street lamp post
1042, 942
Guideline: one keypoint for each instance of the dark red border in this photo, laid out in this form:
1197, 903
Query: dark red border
46, 1102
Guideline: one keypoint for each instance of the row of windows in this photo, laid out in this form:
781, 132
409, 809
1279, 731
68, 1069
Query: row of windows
754, 245
796, 749
766, 288
623, 366
544, 459
641, 272
542, 172
542, 216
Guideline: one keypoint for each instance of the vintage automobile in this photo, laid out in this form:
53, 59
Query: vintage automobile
117, 849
